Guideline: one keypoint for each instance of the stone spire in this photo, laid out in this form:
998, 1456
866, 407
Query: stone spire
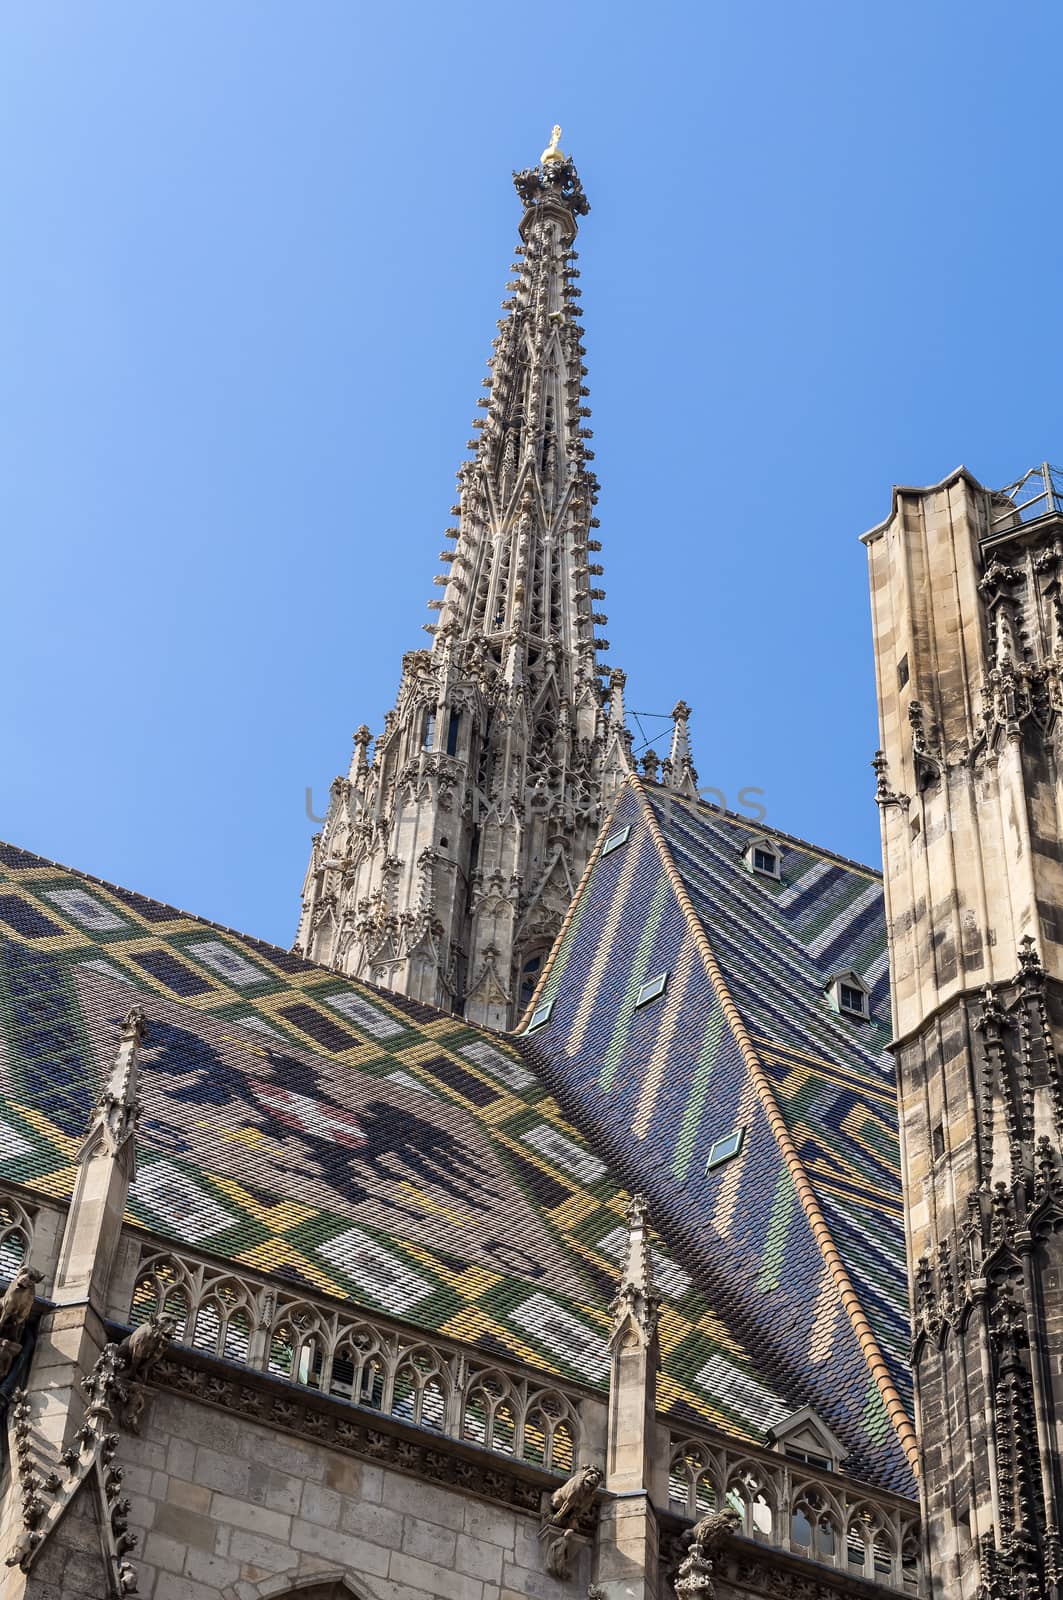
446, 864
637, 1303
636, 1474
681, 772
117, 1111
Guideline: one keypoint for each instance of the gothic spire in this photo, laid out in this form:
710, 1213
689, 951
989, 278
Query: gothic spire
520, 575
448, 860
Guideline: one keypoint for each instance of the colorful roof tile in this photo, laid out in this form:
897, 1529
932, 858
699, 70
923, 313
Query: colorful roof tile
796, 1234
305, 1124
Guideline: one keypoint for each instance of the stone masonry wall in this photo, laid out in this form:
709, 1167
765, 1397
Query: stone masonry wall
226, 1507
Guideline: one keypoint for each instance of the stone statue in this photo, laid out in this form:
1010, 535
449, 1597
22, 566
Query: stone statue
574, 1496
694, 1578
141, 1349
17, 1302
116, 1383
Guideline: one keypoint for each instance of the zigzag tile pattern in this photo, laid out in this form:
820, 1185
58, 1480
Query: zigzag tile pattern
663, 1082
779, 944
304, 1124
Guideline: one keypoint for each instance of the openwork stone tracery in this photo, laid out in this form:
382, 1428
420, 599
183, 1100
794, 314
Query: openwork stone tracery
447, 862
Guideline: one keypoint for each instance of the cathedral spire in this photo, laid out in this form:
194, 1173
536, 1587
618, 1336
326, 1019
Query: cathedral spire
448, 861
520, 574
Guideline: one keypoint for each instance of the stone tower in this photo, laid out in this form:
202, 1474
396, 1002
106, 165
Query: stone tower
447, 862
967, 601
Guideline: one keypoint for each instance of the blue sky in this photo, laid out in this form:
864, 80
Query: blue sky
252, 263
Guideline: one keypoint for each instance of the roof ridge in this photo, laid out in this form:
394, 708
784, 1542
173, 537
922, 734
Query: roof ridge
763, 828
865, 1336
191, 916
238, 933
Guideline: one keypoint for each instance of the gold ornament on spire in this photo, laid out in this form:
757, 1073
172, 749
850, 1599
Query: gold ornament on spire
553, 152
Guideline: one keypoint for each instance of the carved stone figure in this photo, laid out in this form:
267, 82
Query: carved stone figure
141, 1349
694, 1579
573, 1497
559, 1555
116, 1383
16, 1303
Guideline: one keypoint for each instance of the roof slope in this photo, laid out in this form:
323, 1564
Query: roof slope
302, 1123
801, 1235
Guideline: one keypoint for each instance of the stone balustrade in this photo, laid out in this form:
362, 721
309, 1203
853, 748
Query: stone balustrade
790, 1505
351, 1356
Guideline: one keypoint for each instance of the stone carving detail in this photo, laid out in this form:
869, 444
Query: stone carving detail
694, 1578
785, 1506
117, 1111
122, 1369
445, 859
327, 1423
16, 1305
353, 1359
636, 1305
927, 755
980, 1290
89, 1459
567, 1508
574, 1496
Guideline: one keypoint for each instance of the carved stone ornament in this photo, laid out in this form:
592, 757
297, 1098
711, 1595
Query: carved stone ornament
694, 1578
574, 1497
563, 1516
16, 1304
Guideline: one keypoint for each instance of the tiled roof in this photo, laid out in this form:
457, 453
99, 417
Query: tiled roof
304, 1124
799, 1239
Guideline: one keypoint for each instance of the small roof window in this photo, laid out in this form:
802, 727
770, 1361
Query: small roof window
764, 858
615, 840
725, 1149
652, 989
540, 1015
805, 1437
850, 995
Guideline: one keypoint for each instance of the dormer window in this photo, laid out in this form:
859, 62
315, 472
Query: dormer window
805, 1437
850, 995
761, 857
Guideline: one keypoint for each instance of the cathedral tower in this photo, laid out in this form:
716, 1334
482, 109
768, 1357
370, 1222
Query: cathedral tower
447, 862
967, 601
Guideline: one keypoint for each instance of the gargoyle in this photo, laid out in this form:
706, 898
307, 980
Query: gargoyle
16, 1302
117, 1380
694, 1578
141, 1349
574, 1496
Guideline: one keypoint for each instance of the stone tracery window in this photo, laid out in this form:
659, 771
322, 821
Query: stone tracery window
16, 1236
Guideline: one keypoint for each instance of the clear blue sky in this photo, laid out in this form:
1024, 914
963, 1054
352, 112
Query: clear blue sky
253, 255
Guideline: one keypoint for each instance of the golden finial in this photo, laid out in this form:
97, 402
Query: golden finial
553, 152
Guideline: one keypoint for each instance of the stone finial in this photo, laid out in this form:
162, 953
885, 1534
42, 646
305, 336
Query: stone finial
359, 759
637, 1304
117, 1111
682, 775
